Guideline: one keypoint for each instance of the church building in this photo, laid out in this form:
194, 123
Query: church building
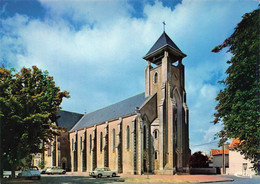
146, 133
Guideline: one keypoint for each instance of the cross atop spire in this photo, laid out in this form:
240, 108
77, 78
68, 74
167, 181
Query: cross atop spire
164, 26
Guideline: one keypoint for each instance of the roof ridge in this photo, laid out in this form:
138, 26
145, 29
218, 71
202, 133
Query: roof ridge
112, 104
71, 112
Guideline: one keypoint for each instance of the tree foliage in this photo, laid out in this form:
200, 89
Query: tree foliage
29, 101
238, 102
198, 160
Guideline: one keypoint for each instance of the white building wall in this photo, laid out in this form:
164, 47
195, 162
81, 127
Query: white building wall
237, 164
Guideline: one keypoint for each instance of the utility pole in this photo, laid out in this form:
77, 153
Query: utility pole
223, 159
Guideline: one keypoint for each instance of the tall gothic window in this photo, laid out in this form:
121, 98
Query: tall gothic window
155, 155
144, 139
81, 144
114, 139
156, 134
101, 141
155, 78
127, 137
90, 143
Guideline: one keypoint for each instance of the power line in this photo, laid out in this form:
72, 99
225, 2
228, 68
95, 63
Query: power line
205, 144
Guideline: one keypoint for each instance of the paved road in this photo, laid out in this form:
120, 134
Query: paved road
242, 180
65, 179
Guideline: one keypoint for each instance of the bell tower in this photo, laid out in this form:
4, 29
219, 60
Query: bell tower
166, 78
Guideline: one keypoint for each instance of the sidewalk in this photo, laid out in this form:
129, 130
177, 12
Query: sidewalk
165, 178
175, 178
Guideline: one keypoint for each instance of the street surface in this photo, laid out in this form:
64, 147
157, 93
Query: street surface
68, 179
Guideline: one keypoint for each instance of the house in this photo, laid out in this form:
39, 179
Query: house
146, 133
238, 165
218, 159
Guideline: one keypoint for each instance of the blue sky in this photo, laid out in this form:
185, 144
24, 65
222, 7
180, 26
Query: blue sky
94, 49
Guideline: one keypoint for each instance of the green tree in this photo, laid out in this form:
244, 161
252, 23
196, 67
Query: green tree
238, 102
29, 101
198, 160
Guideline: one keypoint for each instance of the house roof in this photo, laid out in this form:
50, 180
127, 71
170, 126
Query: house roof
67, 119
215, 152
163, 41
120, 109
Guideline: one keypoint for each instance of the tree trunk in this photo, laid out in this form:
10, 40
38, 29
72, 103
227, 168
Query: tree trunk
13, 172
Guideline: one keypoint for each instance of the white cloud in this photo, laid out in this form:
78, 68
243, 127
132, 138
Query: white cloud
94, 50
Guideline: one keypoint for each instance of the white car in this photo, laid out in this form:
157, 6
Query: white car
30, 172
105, 171
55, 170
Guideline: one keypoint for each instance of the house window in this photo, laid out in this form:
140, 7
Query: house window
127, 137
155, 134
155, 78
114, 139
90, 143
144, 138
101, 141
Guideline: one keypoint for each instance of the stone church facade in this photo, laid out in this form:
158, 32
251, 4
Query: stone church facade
147, 133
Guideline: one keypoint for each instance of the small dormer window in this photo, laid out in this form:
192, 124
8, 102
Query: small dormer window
155, 78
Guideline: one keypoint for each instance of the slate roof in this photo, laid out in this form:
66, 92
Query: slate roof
120, 109
161, 42
67, 119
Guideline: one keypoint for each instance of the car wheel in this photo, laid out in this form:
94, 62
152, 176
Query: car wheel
99, 175
64, 172
114, 175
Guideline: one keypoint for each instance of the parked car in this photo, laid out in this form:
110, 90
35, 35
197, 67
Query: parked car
54, 170
8, 174
44, 170
105, 171
31, 172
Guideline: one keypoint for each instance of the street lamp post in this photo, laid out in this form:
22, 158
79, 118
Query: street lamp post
1, 157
